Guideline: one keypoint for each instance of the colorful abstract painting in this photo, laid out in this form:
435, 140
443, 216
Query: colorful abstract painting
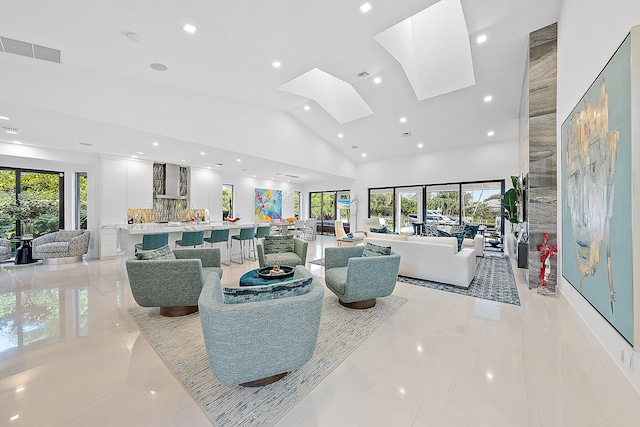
596, 192
268, 205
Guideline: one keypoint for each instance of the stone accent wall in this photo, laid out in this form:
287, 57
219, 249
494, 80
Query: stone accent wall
541, 181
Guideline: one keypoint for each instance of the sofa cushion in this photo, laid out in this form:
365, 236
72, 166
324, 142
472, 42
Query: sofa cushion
283, 258
459, 236
430, 230
470, 231
290, 288
161, 253
67, 235
278, 244
52, 247
336, 277
371, 249
456, 228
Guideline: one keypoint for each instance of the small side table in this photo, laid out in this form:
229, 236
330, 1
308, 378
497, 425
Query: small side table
24, 254
349, 241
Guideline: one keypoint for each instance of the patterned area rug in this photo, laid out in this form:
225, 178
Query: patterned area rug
494, 281
319, 261
179, 342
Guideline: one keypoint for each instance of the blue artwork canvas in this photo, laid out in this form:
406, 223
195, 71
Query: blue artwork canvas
596, 194
268, 205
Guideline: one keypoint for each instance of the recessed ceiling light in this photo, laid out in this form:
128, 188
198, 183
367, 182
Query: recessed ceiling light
288, 180
17, 142
420, 145
276, 64
12, 132
364, 154
155, 144
488, 98
403, 119
158, 67
377, 80
4, 118
491, 133
366, 7
238, 160
183, 160
481, 38
307, 108
254, 176
134, 156
189, 28
139, 152
202, 153
340, 135
355, 147
208, 167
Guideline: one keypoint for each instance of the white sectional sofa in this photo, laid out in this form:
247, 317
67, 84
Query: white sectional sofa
431, 258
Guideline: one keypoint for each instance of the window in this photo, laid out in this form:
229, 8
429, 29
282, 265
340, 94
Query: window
81, 200
327, 206
296, 204
409, 207
443, 204
381, 205
482, 203
227, 201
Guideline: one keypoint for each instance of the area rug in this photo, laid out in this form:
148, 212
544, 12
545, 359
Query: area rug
319, 261
179, 342
494, 281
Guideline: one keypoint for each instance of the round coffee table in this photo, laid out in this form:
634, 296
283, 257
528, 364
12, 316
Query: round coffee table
251, 278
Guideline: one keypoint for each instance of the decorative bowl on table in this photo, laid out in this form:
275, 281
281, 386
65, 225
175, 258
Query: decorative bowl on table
273, 273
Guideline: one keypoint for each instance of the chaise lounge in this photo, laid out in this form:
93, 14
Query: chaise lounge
61, 246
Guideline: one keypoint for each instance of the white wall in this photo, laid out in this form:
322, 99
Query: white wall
589, 32
19, 156
244, 195
205, 190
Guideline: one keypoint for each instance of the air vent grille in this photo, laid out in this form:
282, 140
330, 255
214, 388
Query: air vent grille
362, 75
10, 129
30, 50
406, 134
291, 176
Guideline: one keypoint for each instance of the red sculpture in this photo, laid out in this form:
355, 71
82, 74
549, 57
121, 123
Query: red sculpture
546, 252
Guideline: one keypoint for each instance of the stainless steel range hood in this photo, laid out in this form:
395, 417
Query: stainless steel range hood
171, 183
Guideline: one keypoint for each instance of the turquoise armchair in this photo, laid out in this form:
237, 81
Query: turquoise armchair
297, 257
356, 280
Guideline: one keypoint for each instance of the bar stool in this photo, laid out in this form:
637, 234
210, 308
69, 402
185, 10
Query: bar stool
152, 241
262, 231
220, 236
245, 234
191, 238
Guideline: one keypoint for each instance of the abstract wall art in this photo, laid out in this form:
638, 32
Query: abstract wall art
596, 194
268, 205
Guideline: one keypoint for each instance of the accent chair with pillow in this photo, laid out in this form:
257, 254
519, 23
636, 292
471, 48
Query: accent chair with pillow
61, 246
358, 275
172, 280
282, 250
254, 337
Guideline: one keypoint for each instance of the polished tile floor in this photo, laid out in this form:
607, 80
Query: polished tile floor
70, 355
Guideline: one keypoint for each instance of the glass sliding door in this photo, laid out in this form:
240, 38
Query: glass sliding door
481, 203
381, 205
443, 204
7, 197
328, 213
81, 200
408, 207
44, 190
326, 207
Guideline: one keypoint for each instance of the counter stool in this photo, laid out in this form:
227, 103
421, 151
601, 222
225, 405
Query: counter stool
220, 236
191, 238
245, 234
152, 241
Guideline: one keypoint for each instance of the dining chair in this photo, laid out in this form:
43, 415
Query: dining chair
245, 234
299, 227
310, 228
220, 236
152, 241
191, 238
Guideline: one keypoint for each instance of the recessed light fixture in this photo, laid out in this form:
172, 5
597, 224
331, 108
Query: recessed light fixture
403, 119
17, 142
377, 80
340, 135
183, 160
276, 64
155, 144
491, 133
208, 167
134, 156
238, 160
481, 38
12, 132
420, 145
355, 147
254, 176
158, 67
4, 118
19, 389
488, 98
366, 7
364, 154
189, 28
307, 108
139, 152
202, 153
15, 417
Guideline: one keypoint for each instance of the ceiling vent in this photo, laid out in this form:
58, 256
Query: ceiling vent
362, 75
18, 47
291, 176
10, 130
406, 134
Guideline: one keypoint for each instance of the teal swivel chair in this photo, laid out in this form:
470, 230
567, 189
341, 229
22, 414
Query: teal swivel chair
219, 236
152, 241
191, 238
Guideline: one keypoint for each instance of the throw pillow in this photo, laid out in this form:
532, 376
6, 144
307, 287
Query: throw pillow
289, 288
460, 237
456, 228
376, 250
379, 230
442, 233
470, 231
164, 252
430, 230
278, 244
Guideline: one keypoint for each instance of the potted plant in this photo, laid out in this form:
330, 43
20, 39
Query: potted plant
27, 209
511, 201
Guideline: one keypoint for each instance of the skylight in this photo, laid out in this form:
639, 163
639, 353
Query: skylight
336, 96
433, 48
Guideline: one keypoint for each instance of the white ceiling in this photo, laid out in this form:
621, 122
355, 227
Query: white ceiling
229, 59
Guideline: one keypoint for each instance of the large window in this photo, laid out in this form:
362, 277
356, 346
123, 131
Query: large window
81, 200
32, 202
327, 206
381, 205
443, 204
409, 206
227, 201
482, 203
296, 204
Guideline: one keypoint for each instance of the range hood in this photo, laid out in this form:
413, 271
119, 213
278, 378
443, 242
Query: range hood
171, 182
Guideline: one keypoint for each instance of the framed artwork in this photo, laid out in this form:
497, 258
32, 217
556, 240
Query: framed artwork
268, 205
596, 194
